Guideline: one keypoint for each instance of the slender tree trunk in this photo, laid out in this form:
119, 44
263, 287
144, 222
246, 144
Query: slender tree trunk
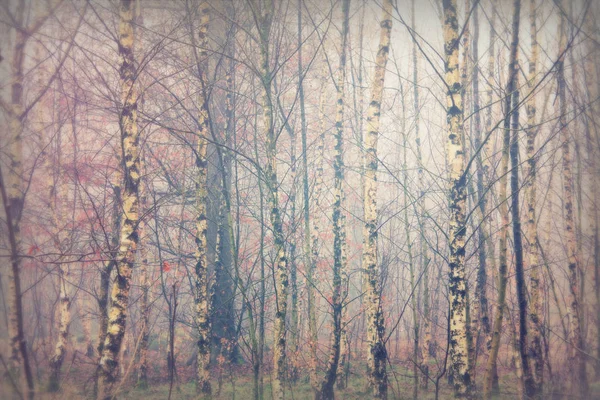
426, 320
13, 185
224, 336
411, 268
528, 382
480, 314
459, 329
339, 281
592, 84
491, 367
294, 339
86, 323
515, 356
144, 340
377, 354
107, 268
486, 164
311, 279
59, 211
15, 285
259, 365
535, 307
270, 176
202, 290
579, 380
466, 96
117, 315
13, 206
64, 323
142, 379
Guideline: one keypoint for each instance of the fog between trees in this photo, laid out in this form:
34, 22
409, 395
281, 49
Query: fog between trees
269, 199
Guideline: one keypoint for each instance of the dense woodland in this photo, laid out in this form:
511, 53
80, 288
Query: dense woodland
294, 199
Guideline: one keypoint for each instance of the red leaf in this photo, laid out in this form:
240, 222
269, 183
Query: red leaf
166, 266
32, 249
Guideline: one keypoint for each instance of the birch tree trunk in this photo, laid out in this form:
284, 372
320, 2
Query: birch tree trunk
339, 280
459, 329
579, 382
426, 328
202, 290
528, 383
64, 322
377, 355
86, 324
486, 164
411, 267
129, 236
311, 278
480, 320
535, 308
142, 379
13, 205
292, 372
108, 267
467, 127
592, 83
59, 210
491, 367
258, 363
14, 182
270, 175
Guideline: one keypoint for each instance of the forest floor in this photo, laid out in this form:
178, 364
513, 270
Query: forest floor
237, 384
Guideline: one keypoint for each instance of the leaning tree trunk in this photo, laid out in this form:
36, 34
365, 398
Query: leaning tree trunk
579, 380
117, 315
377, 355
459, 330
535, 307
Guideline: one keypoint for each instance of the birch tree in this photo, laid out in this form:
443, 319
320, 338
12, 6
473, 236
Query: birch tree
25, 25
264, 17
535, 306
202, 289
377, 354
59, 211
579, 383
490, 379
129, 234
340, 274
459, 329
529, 387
